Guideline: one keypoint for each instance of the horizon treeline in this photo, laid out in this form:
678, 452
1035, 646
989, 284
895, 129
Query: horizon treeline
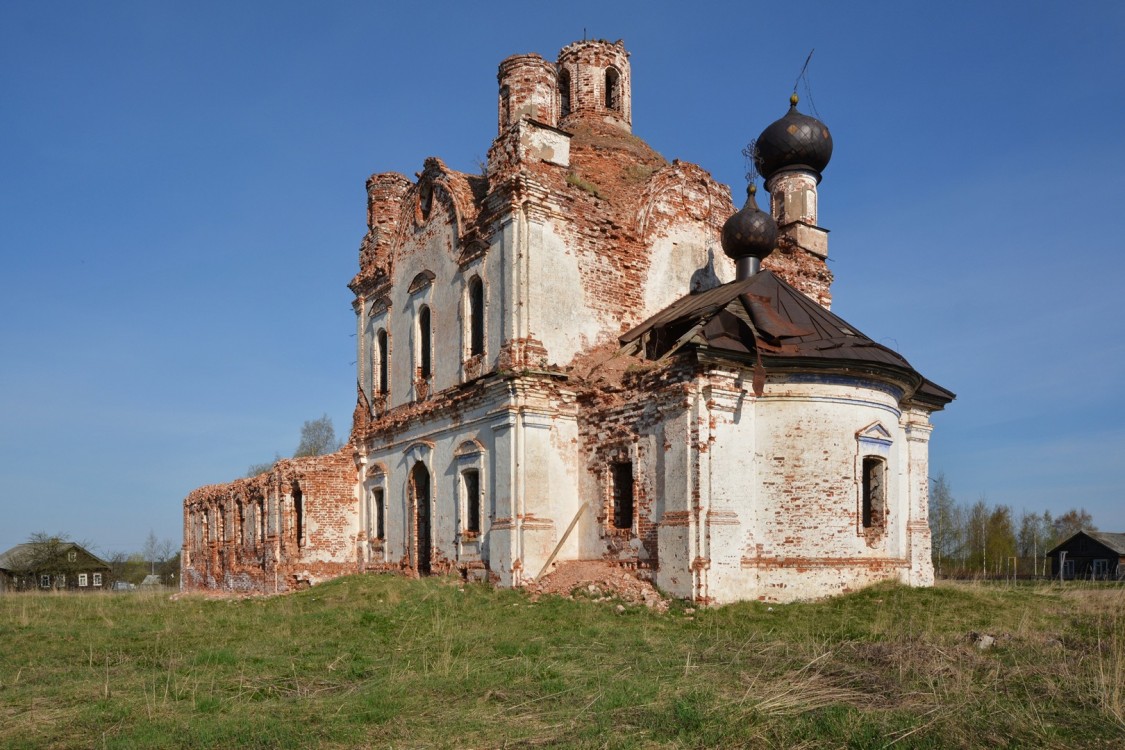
981, 539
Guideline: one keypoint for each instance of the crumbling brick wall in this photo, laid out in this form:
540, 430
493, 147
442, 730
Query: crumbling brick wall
283, 529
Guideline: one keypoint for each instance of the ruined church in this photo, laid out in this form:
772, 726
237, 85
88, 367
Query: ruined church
588, 353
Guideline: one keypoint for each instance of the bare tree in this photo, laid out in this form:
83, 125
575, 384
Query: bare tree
151, 550
256, 469
318, 437
1071, 522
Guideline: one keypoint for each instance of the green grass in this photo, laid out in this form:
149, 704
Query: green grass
382, 661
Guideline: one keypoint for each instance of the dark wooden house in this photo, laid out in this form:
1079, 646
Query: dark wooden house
52, 564
1090, 555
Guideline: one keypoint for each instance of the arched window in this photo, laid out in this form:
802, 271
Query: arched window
382, 381
424, 344
476, 316
612, 89
874, 492
505, 107
564, 92
299, 514
470, 486
425, 199
420, 481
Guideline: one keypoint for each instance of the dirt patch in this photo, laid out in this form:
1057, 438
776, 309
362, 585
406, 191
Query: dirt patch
598, 581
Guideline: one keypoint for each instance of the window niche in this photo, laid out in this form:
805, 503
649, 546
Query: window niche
470, 492
475, 305
621, 488
379, 505
873, 453
299, 515
380, 352
375, 512
564, 93
473, 510
612, 89
873, 512
425, 344
382, 362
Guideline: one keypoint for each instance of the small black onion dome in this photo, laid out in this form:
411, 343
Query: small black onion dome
750, 233
796, 141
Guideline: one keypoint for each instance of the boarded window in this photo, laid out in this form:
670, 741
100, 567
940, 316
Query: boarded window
471, 483
424, 343
622, 477
476, 317
874, 492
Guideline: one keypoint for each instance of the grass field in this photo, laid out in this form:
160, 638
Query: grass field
382, 661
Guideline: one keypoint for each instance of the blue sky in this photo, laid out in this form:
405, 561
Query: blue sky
182, 201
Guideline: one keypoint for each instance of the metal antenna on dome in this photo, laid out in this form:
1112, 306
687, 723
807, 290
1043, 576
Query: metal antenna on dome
803, 76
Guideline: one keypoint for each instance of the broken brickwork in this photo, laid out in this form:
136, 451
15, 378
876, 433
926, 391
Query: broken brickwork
284, 529
500, 428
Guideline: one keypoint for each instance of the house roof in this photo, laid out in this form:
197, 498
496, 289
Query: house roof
11, 557
1111, 539
764, 316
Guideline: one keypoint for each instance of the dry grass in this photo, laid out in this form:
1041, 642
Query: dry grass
387, 662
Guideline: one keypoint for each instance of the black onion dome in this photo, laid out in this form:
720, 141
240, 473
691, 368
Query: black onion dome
750, 233
796, 141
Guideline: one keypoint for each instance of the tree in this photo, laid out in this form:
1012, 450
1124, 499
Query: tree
256, 469
975, 552
318, 437
42, 554
1071, 522
150, 550
945, 523
1001, 537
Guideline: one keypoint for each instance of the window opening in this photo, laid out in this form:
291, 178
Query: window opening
874, 491
82, 580
612, 89
379, 531
564, 93
45, 581
505, 107
384, 364
71, 556
424, 363
471, 481
420, 477
299, 514
622, 475
97, 579
425, 199
476, 317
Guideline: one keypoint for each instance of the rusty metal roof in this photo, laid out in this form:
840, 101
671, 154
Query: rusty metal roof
764, 316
